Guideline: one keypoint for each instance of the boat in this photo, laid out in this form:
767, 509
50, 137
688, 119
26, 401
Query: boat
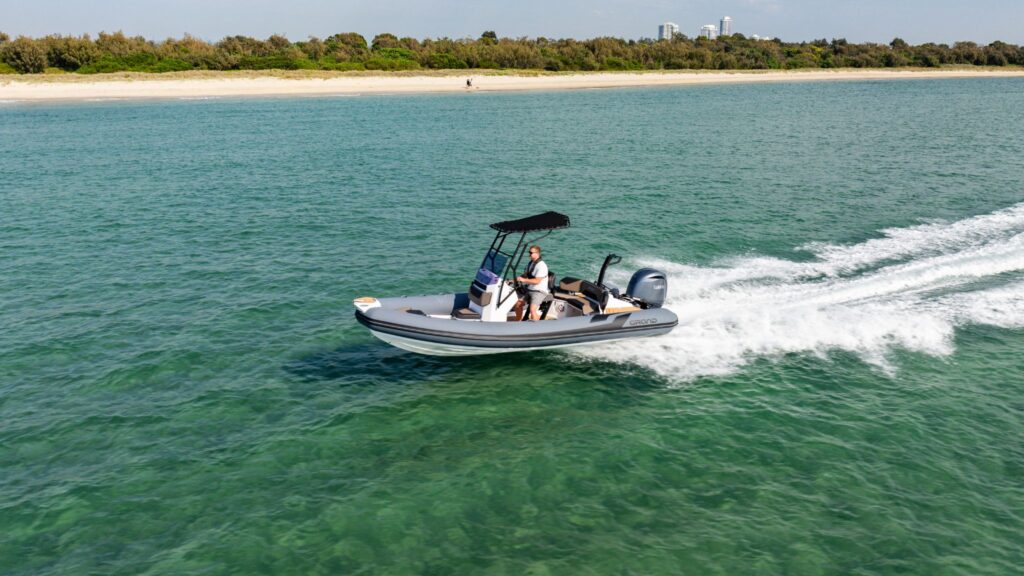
482, 320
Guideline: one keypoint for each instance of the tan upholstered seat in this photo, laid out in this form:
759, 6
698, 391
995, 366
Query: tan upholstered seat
465, 314
580, 302
570, 284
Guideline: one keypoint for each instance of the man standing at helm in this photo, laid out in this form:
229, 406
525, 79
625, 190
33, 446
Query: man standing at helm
536, 280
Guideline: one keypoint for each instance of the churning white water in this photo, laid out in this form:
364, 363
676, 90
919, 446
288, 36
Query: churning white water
907, 290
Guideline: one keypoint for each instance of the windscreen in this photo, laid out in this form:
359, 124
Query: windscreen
495, 262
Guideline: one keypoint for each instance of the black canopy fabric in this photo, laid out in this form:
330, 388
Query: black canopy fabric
545, 221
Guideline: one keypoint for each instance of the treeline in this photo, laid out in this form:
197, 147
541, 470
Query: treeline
350, 51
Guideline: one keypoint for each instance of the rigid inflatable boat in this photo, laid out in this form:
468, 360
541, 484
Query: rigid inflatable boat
482, 320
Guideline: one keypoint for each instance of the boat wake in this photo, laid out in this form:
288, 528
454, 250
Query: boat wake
909, 290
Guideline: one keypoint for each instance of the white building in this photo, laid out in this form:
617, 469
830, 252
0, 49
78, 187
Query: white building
667, 30
725, 26
709, 31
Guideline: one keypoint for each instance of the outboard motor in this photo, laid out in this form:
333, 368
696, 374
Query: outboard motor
648, 286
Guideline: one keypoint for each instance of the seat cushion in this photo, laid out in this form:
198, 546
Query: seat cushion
465, 314
570, 284
580, 303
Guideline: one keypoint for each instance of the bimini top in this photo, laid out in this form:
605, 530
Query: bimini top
545, 221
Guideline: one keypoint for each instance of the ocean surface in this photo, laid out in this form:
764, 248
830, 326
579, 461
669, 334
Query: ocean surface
184, 389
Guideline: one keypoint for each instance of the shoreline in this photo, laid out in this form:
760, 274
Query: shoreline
134, 86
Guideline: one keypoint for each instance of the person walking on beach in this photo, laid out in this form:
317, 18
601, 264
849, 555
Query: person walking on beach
536, 280
469, 82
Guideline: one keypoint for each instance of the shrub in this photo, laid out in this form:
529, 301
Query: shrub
119, 45
278, 42
996, 59
384, 40
352, 40
341, 66
72, 53
446, 61
104, 65
135, 63
25, 55
802, 60
314, 48
197, 53
378, 63
275, 63
168, 65
6, 69
112, 52
244, 46
395, 53
615, 63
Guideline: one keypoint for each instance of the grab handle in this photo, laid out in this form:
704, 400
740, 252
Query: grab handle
608, 261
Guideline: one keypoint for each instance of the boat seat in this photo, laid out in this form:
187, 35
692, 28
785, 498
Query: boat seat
596, 293
465, 314
569, 284
581, 303
479, 295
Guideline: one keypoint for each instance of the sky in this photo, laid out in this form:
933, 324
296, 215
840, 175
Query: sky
916, 21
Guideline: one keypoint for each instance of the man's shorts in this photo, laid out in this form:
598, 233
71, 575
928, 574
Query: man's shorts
535, 297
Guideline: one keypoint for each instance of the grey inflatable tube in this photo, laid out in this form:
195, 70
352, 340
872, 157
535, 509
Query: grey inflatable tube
410, 317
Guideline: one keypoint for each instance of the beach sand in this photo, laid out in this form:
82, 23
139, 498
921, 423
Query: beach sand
225, 84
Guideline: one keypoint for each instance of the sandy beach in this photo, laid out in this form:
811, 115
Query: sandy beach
226, 84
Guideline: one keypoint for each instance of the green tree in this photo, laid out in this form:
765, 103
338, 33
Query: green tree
241, 46
385, 40
968, 53
349, 51
346, 47
70, 53
446, 61
25, 55
119, 45
1003, 54
350, 40
197, 53
314, 48
278, 43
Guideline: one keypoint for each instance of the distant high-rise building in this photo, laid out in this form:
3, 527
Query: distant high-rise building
667, 30
725, 27
709, 31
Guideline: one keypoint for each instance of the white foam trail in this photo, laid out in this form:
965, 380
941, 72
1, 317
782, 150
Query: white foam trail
930, 238
1002, 307
916, 286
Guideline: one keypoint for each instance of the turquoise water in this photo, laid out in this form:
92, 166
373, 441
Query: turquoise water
183, 388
